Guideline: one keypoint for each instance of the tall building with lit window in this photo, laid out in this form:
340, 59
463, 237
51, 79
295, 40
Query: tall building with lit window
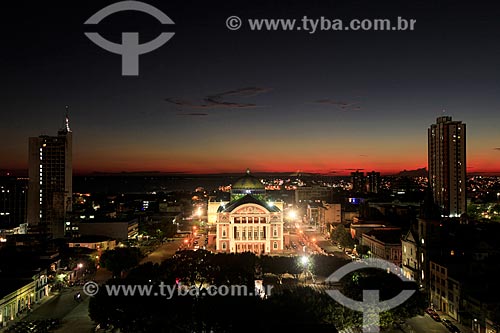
13, 195
50, 185
358, 182
373, 181
447, 165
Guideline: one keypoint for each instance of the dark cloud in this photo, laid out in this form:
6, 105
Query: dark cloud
363, 155
193, 114
346, 106
218, 101
497, 148
353, 169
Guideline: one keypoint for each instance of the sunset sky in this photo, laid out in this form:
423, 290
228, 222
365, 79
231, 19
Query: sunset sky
213, 100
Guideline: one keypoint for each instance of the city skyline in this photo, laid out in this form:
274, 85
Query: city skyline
177, 166
259, 168
210, 99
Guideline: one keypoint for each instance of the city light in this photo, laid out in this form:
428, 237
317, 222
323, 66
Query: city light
292, 215
372, 178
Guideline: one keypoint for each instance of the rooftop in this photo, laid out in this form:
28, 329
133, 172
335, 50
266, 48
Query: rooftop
248, 182
386, 235
248, 199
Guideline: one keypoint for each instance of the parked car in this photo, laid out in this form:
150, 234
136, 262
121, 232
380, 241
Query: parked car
430, 311
433, 314
449, 325
436, 317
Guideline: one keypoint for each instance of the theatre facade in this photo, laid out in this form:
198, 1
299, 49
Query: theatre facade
249, 223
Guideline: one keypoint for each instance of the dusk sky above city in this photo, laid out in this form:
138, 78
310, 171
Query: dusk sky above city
213, 100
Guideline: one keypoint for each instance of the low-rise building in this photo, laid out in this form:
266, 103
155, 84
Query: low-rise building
308, 194
444, 289
384, 243
312, 213
411, 257
359, 226
98, 243
19, 293
329, 216
119, 229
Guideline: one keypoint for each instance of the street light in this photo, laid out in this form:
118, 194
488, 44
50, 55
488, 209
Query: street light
292, 215
304, 260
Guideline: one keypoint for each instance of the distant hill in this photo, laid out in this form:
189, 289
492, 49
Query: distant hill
422, 172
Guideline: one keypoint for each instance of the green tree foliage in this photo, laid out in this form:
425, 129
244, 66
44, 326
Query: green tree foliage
342, 236
120, 259
389, 285
280, 266
363, 250
294, 308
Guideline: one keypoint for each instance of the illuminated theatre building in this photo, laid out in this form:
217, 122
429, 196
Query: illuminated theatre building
248, 223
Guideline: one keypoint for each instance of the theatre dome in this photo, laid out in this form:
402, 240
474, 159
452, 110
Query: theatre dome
247, 184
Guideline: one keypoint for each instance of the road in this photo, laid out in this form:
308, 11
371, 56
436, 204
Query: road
74, 315
163, 252
425, 324
58, 306
314, 242
78, 320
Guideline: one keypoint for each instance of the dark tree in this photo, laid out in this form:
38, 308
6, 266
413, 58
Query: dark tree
121, 259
